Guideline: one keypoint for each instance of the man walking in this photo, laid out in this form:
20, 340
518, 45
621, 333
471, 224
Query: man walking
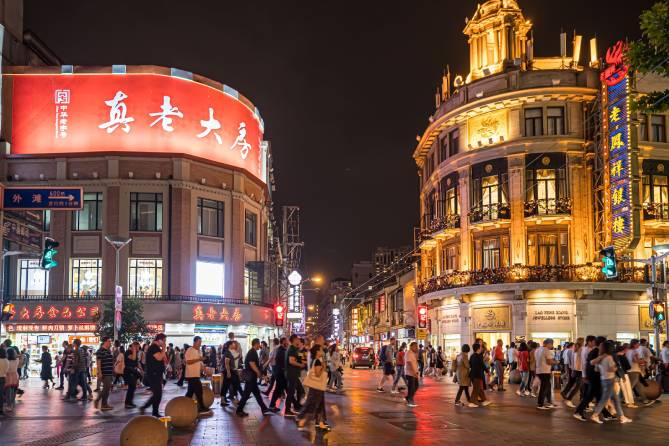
637, 368
193, 372
411, 373
399, 367
251, 375
77, 373
105, 365
279, 372
498, 356
544, 357
387, 355
294, 366
155, 368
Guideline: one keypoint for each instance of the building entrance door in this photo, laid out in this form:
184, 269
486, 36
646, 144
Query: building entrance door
490, 338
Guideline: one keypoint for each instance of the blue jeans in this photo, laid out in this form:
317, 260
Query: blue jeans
499, 371
607, 394
77, 379
524, 381
399, 373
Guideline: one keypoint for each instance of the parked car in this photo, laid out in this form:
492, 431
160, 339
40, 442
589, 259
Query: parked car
362, 357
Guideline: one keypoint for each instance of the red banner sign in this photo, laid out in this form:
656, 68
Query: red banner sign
50, 328
82, 113
55, 313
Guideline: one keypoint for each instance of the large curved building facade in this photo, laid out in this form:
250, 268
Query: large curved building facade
515, 196
173, 160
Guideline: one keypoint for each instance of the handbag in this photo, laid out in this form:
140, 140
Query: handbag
315, 382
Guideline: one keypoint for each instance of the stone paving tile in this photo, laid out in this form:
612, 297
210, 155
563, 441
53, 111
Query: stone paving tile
360, 417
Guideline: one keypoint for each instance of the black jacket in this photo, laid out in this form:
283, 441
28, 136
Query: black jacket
476, 366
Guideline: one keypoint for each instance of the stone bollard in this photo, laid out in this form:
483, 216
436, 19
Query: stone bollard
144, 430
182, 410
653, 390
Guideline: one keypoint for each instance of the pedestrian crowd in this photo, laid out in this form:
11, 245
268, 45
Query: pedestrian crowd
295, 372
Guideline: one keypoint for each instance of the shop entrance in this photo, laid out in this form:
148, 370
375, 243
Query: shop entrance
491, 338
451, 345
558, 338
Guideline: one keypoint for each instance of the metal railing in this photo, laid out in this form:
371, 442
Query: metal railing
152, 298
522, 273
549, 206
450, 221
489, 212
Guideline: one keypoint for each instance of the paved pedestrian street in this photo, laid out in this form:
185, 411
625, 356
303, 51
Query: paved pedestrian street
361, 416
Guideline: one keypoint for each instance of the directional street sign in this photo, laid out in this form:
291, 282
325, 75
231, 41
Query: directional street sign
41, 198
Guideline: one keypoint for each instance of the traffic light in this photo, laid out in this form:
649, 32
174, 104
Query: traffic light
279, 315
8, 311
422, 316
659, 313
49, 253
609, 267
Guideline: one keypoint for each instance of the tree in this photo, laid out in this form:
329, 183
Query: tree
650, 54
133, 325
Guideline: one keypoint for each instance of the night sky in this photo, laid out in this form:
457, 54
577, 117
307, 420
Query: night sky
344, 87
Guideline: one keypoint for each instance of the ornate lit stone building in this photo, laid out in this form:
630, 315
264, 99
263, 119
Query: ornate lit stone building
514, 191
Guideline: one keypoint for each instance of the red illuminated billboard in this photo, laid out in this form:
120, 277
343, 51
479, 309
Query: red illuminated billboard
139, 113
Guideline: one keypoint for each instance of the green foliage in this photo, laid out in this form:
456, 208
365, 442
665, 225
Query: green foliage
133, 325
650, 54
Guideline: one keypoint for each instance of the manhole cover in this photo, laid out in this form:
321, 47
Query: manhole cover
423, 426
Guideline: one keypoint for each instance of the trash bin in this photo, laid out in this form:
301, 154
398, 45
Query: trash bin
216, 384
557, 380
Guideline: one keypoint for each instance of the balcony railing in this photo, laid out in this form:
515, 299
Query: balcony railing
490, 212
451, 221
521, 273
158, 298
552, 206
656, 211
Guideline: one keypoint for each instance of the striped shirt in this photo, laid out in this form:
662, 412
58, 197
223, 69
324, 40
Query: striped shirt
106, 361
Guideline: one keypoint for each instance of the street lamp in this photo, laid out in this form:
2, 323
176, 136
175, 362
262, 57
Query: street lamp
663, 251
118, 242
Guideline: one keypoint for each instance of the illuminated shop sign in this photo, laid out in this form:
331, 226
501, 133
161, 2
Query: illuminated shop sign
620, 150
216, 313
50, 328
354, 321
55, 313
135, 113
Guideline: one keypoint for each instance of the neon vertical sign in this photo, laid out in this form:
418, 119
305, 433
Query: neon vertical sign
620, 150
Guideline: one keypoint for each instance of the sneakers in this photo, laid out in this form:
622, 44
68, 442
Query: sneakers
550, 405
485, 403
595, 418
519, 393
544, 407
380, 389
625, 420
632, 406
568, 403
533, 395
526, 393
472, 405
394, 392
412, 404
580, 417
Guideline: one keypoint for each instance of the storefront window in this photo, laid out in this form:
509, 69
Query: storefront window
209, 278
146, 212
33, 280
210, 217
547, 249
89, 218
145, 277
86, 277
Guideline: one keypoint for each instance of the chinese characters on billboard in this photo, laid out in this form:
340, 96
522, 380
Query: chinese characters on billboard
141, 112
622, 156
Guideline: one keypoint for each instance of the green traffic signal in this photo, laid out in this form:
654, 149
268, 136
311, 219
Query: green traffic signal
48, 261
609, 267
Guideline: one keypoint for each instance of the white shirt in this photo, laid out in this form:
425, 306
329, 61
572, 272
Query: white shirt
569, 358
585, 351
541, 356
633, 358
664, 355
511, 355
193, 370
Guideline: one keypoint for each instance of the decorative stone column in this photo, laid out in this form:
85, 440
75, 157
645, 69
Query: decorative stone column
463, 191
517, 237
581, 237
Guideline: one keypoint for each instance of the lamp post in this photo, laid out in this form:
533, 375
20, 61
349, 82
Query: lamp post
663, 252
118, 242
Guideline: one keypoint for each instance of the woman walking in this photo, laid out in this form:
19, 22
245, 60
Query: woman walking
477, 375
524, 368
11, 379
130, 373
607, 371
46, 375
4, 368
316, 380
439, 363
462, 375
